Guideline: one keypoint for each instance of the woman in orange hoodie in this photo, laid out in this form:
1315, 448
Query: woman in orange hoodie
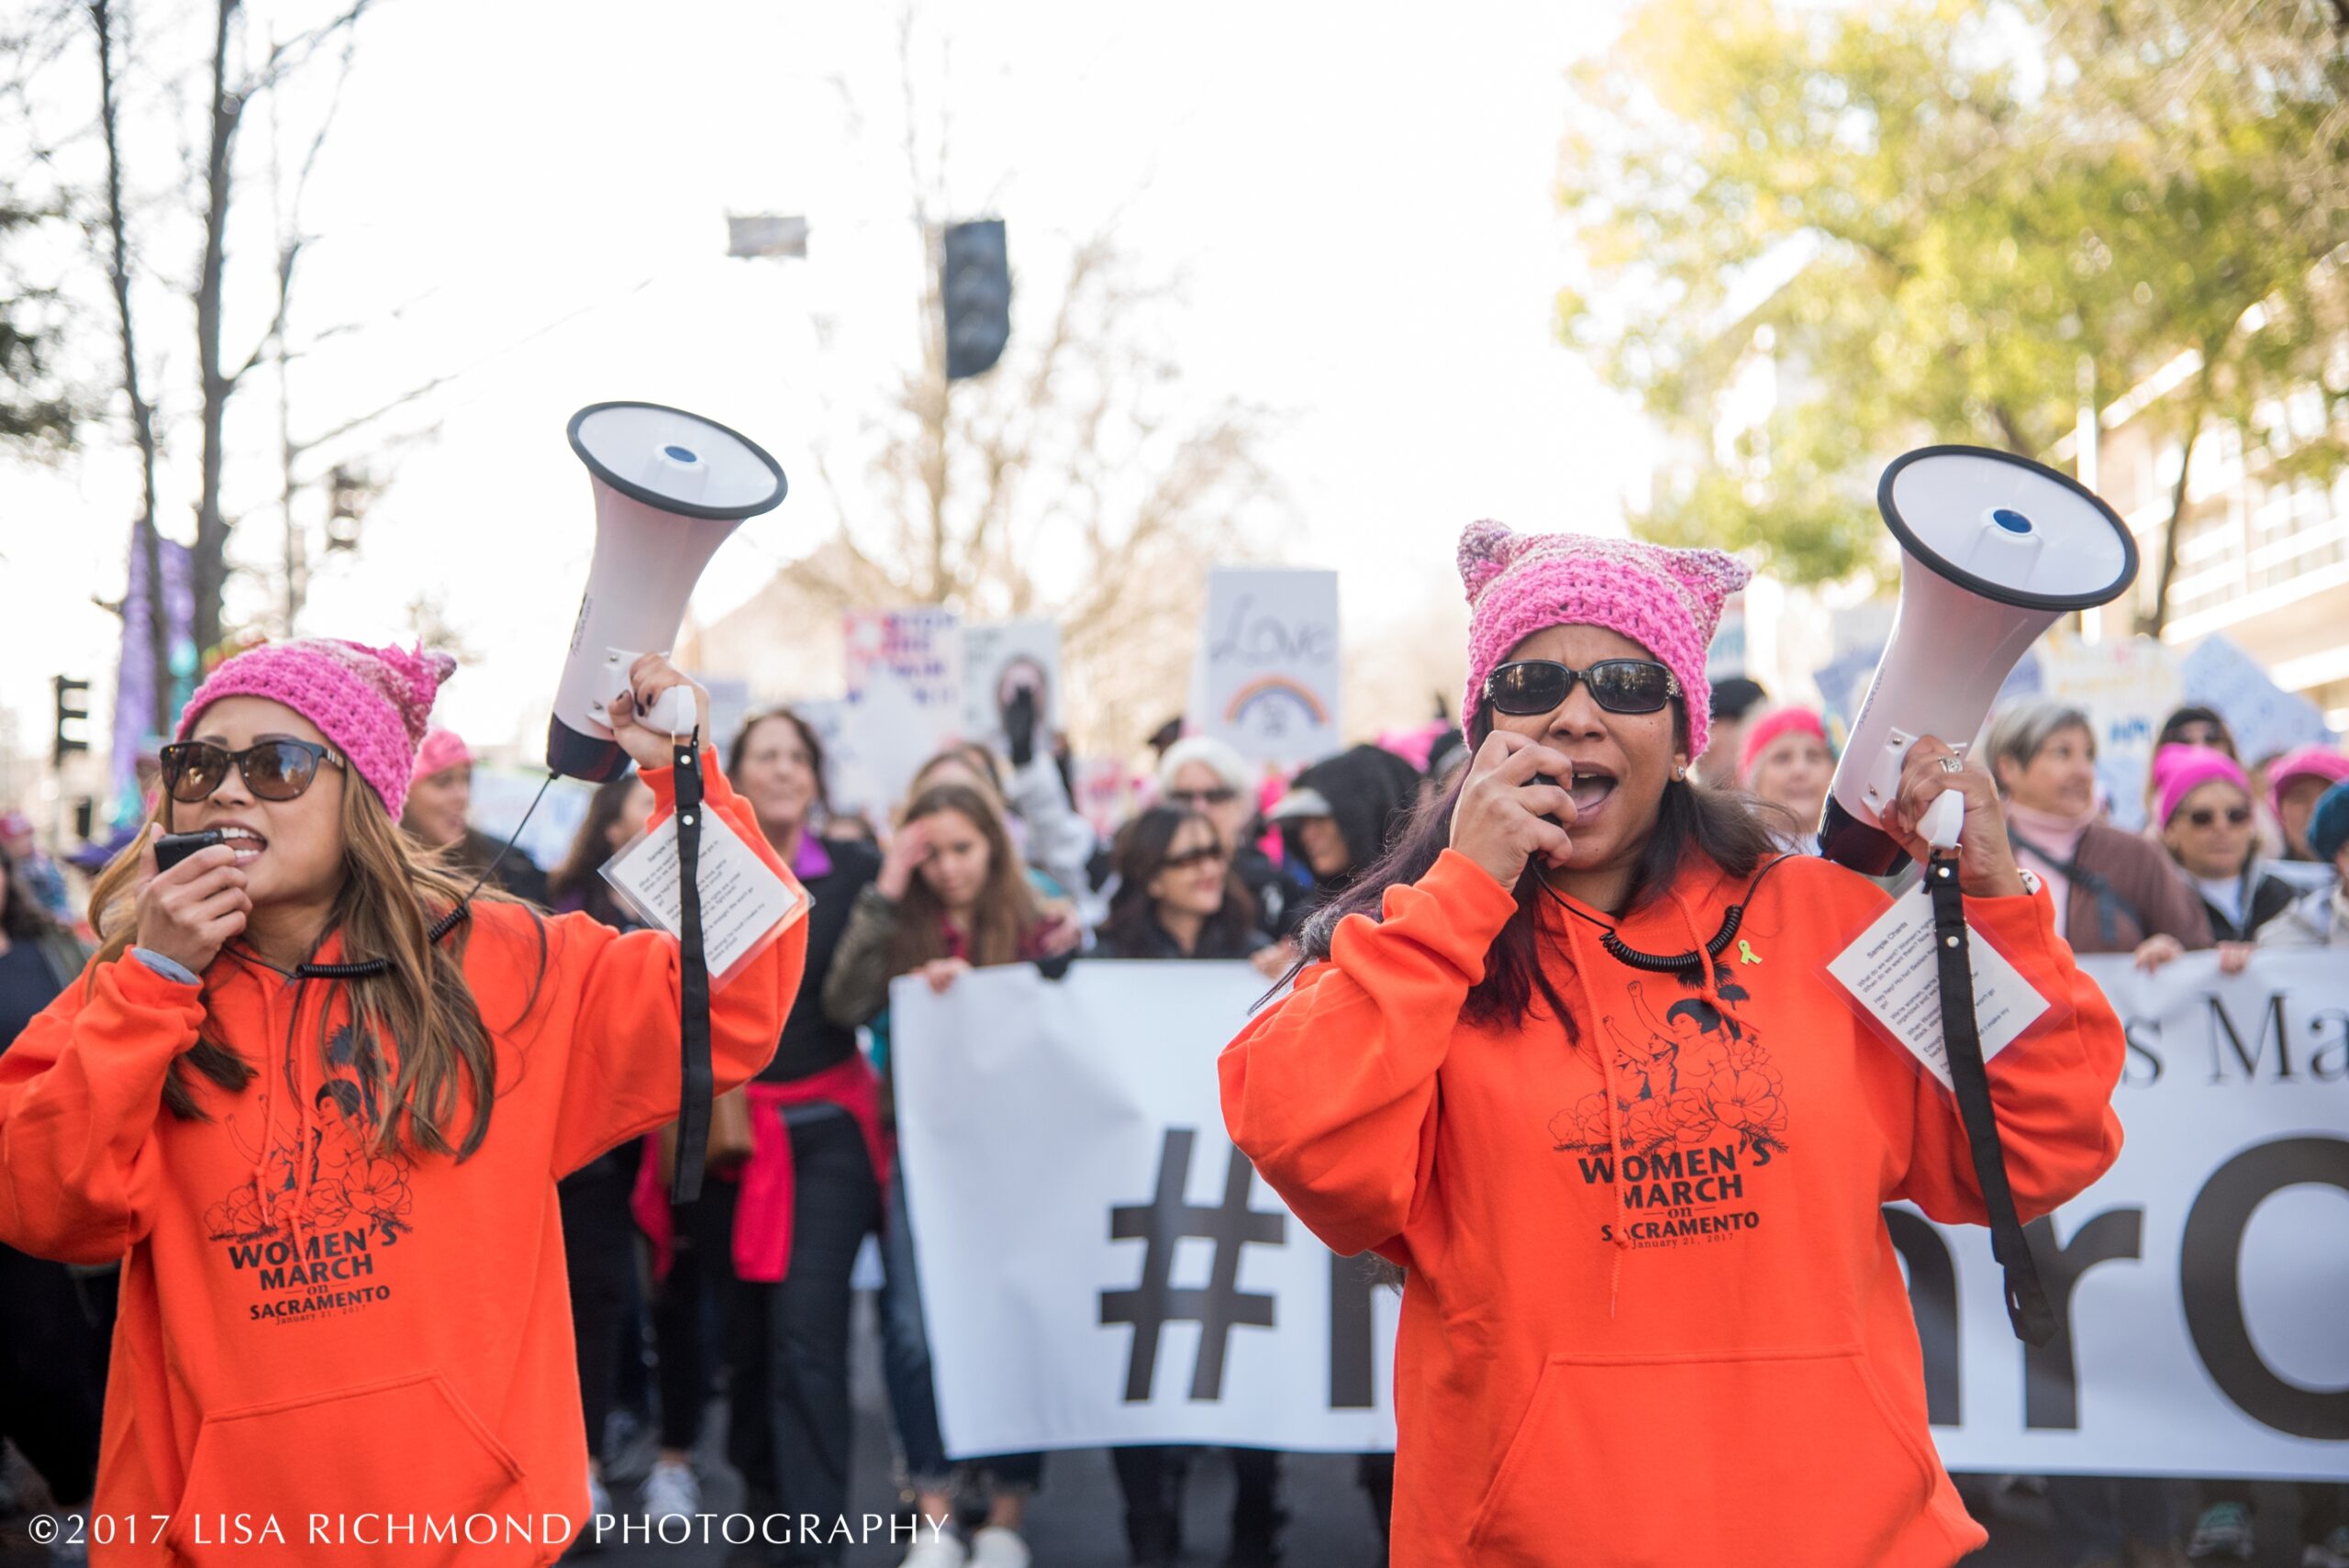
316, 1101
1630, 1152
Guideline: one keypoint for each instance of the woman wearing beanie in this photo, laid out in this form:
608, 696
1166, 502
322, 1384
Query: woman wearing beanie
2320, 919
1650, 1300
2202, 804
2295, 782
439, 812
1787, 762
318, 1105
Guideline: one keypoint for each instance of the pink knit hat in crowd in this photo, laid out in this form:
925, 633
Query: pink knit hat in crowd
371, 702
1667, 601
2305, 762
442, 750
2179, 771
1762, 731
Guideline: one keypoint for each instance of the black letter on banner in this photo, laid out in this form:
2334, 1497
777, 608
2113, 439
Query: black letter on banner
1932, 1299
1164, 1222
2051, 1375
2271, 1017
2130, 1031
2322, 1070
2213, 1270
1352, 1376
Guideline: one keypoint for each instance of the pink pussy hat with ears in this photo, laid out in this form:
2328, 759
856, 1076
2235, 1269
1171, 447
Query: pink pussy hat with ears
1667, 601
373, 703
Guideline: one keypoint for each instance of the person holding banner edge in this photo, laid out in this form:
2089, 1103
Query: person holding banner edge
312, 1091
1608, 1230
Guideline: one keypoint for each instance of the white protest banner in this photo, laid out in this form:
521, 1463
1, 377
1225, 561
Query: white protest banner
2127, 688
1085, 1235
1001, 658
1099, 1265
2263, 716
905, 692
1267, 672
2199, 1285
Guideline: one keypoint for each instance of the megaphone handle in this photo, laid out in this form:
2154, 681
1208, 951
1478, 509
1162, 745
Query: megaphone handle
697, 1081
1944, 820
2028, 1311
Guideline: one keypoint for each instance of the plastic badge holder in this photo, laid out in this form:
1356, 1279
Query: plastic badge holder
745, 905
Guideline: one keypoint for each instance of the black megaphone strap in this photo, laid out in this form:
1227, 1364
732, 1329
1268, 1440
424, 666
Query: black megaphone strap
2027, 1308
697, 1080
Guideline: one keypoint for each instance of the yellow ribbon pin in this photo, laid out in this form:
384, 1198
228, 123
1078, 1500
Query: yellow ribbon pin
1744, 953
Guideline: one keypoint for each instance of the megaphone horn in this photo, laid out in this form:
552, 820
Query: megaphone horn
1994, 548
669, 486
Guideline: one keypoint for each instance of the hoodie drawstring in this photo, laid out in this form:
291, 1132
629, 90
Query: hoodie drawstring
1606, 1051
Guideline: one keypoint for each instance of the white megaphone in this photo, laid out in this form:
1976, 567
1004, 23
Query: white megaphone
669, 487
1994, 548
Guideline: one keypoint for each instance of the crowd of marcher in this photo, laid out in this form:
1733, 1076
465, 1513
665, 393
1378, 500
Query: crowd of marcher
748, 1294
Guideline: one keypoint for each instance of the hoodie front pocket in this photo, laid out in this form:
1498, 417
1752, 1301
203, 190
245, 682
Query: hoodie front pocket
1792, 1457
354, 1463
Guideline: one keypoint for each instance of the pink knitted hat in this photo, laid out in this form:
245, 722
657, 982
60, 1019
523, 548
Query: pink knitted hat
1667, 601
442, 750
1762, 731
2306, 763
371, 702
2179, 771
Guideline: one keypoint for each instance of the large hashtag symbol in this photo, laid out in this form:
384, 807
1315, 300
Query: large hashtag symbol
1219, 1308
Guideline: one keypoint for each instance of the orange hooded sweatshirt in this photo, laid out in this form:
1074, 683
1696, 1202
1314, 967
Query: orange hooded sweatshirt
314, 1334
1653, 1316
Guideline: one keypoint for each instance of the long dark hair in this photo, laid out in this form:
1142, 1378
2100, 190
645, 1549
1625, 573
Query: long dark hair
1006, 915
1693, 819
590, 848
1139, 854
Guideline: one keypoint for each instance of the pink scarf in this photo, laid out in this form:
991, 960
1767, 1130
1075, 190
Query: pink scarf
2060, 835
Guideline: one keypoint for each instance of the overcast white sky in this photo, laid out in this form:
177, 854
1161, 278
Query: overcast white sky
1357, 200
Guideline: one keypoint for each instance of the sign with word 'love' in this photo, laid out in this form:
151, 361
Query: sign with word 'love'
1267, 677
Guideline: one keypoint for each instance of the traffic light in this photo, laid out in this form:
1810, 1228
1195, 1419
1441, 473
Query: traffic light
73, 732
977, 282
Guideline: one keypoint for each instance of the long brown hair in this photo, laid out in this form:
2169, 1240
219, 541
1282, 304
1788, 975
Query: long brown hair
1006, 916
420, 1004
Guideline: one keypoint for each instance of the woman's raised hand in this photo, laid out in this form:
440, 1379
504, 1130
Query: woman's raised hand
1498, 822
189, 913
647, 679
907, 851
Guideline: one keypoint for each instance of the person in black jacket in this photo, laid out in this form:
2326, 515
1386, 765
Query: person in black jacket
1340, 814
1204, 774
1178, 898
2202, 799
791, 1430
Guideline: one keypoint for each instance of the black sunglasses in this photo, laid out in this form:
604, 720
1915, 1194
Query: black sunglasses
1619, 685
273, 770
2204, 815
1190, 858
1223, 795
